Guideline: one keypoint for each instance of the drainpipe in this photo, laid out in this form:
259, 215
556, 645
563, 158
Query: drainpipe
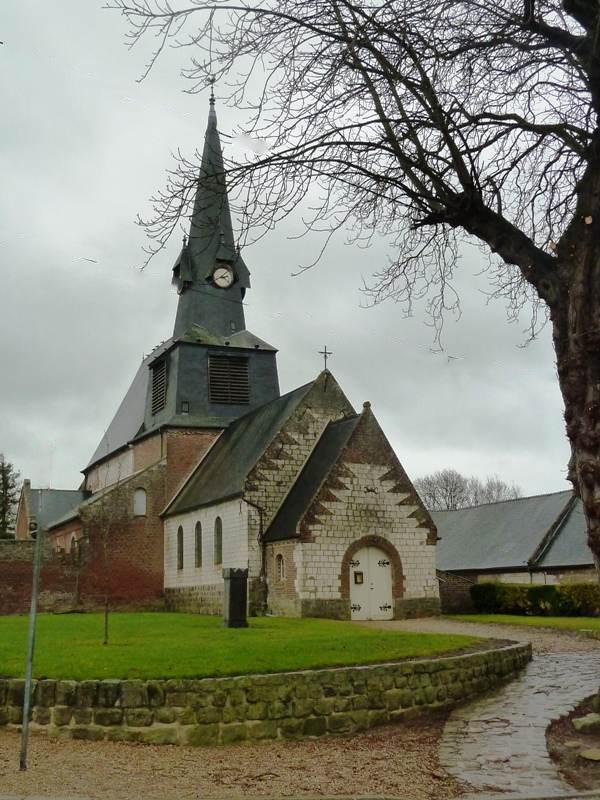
262, 576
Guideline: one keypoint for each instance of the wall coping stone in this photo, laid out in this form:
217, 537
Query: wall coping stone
283, 705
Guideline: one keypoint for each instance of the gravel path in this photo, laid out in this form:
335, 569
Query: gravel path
398, 761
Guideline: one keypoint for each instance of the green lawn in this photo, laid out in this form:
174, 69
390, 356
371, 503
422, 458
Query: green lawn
161, 645
560, 623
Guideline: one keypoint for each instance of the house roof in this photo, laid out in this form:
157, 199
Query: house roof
222, 473
323, 457
47, 505
538, 531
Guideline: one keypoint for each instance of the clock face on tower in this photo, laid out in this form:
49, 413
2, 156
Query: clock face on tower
223, 277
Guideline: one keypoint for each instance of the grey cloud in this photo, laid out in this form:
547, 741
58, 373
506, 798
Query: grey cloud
84, 149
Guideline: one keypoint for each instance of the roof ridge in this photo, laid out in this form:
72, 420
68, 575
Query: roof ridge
51, 489
499, 502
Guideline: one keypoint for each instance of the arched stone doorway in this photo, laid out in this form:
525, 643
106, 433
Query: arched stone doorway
371, 578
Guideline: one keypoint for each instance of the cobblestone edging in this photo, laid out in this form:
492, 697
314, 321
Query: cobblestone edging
282, 705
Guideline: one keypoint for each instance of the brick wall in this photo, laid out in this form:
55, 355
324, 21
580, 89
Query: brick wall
58, 578
184, 448
147, 451
134, 562
63, 538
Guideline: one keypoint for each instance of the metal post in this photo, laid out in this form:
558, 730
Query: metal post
30, 648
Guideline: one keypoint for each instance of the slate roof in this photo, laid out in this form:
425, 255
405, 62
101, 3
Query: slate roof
325, 454
513, 534
129, 418
569, 546
128, 421
223, 471
47, 505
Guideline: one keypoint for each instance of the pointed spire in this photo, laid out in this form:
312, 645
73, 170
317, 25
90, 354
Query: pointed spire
210, 242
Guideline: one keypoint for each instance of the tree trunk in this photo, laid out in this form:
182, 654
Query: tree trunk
576, 332
105, 619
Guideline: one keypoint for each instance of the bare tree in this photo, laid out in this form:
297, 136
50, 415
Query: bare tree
443, 490
430, 122
102, 519
492, 490
448, 489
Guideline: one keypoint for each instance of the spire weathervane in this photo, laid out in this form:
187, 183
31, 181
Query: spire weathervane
212, 80
325, 353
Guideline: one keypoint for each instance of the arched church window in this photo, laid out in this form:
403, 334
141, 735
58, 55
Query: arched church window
180, 547
280, 567
218, 543
198, 544
139, 503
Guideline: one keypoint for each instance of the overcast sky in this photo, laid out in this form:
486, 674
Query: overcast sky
83, 147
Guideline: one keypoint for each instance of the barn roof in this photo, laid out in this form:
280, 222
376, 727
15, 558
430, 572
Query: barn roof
541, 531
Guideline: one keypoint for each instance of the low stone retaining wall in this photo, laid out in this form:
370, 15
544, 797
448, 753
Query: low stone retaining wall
283, 705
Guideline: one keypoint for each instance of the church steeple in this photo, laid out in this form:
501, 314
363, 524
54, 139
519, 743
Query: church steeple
205, 301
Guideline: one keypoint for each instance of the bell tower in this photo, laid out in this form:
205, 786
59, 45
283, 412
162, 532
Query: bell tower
213, 370
210, 273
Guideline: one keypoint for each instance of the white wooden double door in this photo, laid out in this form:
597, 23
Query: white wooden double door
371, 585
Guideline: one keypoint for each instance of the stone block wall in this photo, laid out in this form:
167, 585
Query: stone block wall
280, 706
275, 472
201, 599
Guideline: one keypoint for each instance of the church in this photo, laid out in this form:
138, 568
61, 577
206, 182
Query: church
206, 466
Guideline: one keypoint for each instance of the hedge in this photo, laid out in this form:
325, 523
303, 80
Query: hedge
568, 600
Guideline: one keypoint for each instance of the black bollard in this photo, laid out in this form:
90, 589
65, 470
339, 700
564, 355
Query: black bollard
235, 598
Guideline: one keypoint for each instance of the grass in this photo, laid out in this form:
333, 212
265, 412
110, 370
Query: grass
163, 645
559, 623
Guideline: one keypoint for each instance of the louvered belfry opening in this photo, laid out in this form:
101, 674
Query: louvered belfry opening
159, 386
228, 380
